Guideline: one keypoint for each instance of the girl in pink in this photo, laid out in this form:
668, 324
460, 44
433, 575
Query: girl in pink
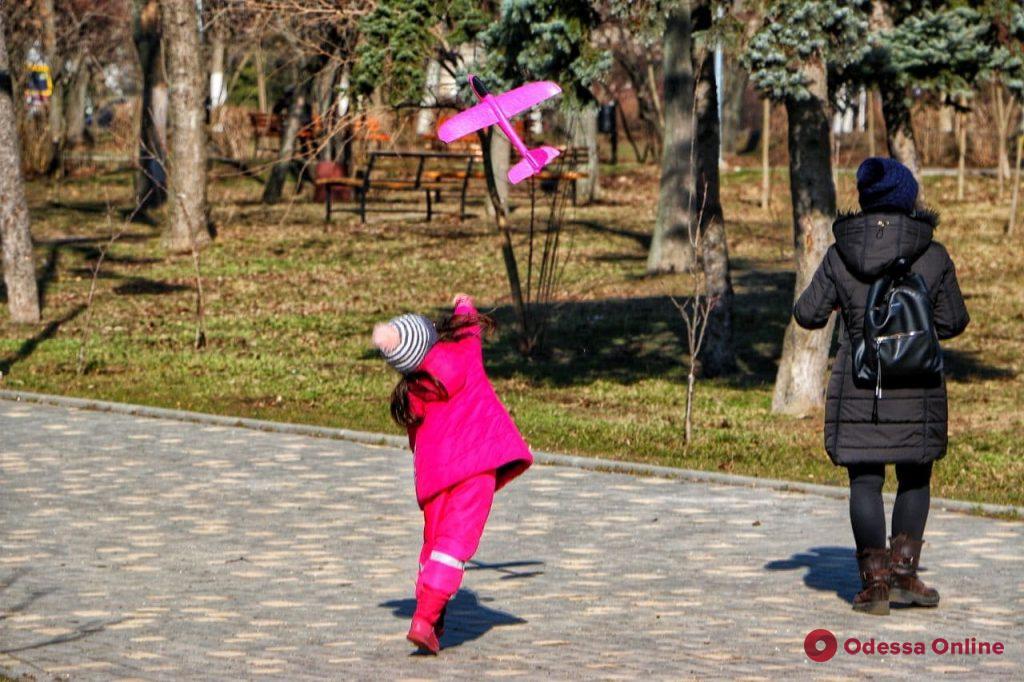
465, 446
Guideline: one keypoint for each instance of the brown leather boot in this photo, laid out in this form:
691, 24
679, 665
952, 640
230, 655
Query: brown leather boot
907, 588
874, 575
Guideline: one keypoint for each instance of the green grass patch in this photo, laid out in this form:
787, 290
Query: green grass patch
290, 304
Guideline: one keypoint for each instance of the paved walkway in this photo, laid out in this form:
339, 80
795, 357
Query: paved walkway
153, 549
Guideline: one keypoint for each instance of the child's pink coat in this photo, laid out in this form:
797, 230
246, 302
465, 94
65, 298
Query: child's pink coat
469, 433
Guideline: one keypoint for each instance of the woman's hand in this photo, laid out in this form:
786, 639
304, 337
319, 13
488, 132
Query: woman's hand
460, 298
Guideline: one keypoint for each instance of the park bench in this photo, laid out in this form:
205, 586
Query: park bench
432, 173
567, 169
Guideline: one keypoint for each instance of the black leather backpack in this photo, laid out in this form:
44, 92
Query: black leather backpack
899, 331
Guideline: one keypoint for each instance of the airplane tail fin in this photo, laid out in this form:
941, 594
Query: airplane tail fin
538, 158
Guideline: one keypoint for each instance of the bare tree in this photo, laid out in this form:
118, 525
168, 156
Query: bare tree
151, 183
961, 149
19, 269
719, 354
696, 312
74, 110
1011, 226
671, 250
1005, 111
55, 60
289, 138
766, 162
187, 148
584, 130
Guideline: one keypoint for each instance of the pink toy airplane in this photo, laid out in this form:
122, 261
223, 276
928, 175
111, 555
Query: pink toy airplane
498, 109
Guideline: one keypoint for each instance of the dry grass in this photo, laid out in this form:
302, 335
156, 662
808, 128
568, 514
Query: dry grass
291, 304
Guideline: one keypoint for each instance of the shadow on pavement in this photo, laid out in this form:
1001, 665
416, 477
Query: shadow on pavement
506, 568
467, 617
830, 569
80, 631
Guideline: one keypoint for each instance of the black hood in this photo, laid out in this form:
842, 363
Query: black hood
869, 243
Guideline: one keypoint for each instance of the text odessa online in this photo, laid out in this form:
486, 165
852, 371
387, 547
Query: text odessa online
941, 646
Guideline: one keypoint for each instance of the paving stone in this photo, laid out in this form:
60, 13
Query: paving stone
136, 548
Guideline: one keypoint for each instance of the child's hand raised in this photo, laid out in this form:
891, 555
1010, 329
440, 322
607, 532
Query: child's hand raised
459, 299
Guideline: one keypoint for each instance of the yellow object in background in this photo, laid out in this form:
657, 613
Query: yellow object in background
40, 82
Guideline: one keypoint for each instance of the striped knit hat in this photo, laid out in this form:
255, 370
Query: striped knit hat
405, 341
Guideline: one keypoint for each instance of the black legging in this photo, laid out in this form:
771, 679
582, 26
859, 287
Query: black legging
909, 513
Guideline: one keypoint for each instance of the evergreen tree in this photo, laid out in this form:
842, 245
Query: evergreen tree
400, 37
790, 58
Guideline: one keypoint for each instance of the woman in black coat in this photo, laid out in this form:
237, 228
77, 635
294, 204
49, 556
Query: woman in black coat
907, 425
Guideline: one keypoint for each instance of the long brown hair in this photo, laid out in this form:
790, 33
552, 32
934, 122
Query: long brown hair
425, 386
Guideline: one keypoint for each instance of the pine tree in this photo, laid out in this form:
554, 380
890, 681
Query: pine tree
790, 58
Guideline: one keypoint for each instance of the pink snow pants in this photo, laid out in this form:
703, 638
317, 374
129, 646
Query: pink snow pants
453, 521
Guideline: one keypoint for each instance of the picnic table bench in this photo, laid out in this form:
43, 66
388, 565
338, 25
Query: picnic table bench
405, 171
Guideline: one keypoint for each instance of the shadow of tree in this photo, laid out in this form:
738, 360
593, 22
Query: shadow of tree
623, 340
966, 365
80, 631
143, 286
631, 339
643, 239
48, 332
467, 618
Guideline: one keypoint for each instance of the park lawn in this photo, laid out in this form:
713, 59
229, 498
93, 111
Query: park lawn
290, 305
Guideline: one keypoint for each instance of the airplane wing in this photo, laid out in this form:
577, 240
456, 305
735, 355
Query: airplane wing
525, 96
511, 103
466, 122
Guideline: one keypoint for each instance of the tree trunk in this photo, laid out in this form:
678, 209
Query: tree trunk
151, 185
286, 157
325, 97
74, 111
585, 136
261, 81
500, 159
187, 152
718, 356
670, 245
899, 127
961, 148
426, 116
52, 56
1011, 226
218, 83
766, 163
15, 236
800, 383
500, 209
871, 121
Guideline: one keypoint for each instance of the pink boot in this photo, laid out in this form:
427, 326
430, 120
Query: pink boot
429, 605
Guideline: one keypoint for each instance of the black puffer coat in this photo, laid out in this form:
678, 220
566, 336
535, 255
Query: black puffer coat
911, 425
